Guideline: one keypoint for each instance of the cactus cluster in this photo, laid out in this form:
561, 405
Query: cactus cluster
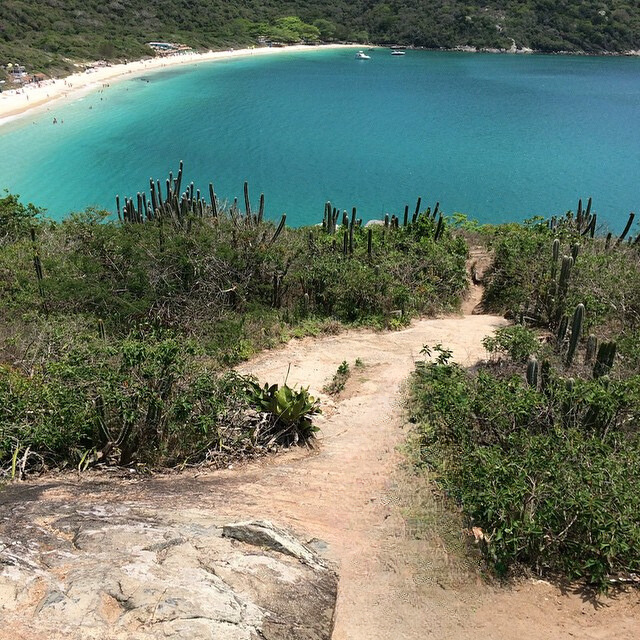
330, 220
391, 222
180, 207
603, 354
559, 284
584, 223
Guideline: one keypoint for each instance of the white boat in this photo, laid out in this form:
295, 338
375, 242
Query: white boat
361, 55
397, 53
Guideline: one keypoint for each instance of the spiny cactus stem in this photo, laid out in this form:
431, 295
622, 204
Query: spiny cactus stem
247, 202
576, 331
626, 229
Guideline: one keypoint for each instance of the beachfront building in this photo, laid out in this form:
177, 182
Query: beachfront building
169, 48
16, 72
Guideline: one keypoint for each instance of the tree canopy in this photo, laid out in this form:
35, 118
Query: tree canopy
48, 35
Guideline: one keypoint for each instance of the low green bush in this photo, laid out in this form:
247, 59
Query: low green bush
339, 379
143, 399
515, 342
551, 476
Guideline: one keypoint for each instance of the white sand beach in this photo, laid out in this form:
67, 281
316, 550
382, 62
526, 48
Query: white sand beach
16, 103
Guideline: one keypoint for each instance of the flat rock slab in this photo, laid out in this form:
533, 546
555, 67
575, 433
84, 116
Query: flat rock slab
120, 571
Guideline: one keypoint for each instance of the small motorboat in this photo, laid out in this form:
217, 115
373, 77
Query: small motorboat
398, 53
361, 55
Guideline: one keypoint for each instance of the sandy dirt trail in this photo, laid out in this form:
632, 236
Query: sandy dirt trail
341, 494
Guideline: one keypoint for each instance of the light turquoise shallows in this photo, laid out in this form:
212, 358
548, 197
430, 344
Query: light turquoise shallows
498, 137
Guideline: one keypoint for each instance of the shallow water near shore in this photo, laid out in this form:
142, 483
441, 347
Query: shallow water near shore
497, 137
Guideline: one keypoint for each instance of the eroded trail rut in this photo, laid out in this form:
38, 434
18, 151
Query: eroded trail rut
339, 496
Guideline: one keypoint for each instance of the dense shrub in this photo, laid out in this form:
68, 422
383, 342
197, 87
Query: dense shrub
551, 476
214, 279
146, 399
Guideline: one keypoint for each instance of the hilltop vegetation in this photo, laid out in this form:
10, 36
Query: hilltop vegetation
540, 445
48, 35
116, 338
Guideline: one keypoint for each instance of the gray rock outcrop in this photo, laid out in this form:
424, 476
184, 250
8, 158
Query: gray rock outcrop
120, 571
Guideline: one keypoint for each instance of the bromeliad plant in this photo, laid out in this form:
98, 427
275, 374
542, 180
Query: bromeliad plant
291, 411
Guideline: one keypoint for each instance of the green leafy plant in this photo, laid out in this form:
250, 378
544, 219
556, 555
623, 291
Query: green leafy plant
339, 379
515, 342
443, 356
292, 411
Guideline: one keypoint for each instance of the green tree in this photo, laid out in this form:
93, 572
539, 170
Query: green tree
15, 217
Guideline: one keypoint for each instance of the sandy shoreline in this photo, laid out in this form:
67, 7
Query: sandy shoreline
17, 103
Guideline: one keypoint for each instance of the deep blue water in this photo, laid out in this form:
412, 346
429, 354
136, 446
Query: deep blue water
498, 137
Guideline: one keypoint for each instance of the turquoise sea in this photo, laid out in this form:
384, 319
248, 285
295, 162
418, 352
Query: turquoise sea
498, 137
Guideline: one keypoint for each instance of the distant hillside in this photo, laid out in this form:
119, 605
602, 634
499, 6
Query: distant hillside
48, 35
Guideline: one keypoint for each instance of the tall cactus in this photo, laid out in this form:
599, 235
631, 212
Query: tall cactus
576, 332
562, 332
439, 228
604, 359
179, 178
565, 273
592, 345
579, 215
563, 285
278, 231
575, 250
555, 257
352, 227
533, 370
247, 202
212, 198
626, 229
591, 228
154, 200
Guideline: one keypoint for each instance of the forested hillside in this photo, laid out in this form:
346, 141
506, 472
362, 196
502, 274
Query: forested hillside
46, 34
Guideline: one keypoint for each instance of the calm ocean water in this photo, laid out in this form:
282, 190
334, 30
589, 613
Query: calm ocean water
497, 137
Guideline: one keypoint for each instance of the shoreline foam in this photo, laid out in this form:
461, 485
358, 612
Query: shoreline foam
17, 103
